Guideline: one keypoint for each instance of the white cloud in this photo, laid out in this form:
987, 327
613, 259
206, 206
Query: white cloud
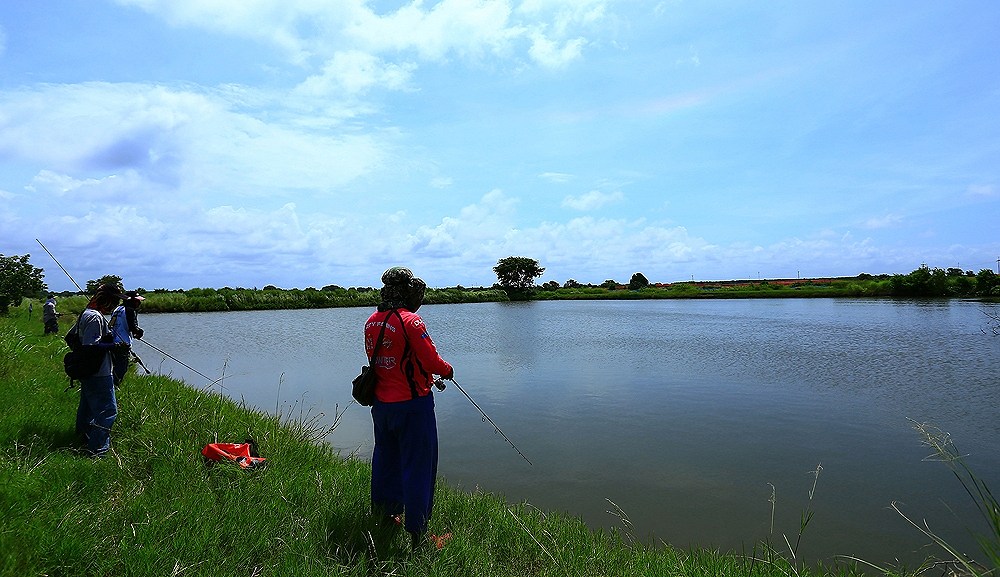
354, 72
192, 141
307, 30
441, 182
592, 200
553, 54
469, 28
886, 221
112, 188
556, 177
982, 190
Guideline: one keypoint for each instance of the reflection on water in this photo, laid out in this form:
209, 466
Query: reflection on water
686, 414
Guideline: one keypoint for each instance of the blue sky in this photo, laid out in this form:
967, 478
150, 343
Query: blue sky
210, 143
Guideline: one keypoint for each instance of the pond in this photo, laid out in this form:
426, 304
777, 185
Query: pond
696, 422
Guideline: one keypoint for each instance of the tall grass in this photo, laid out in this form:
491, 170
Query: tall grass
943, 450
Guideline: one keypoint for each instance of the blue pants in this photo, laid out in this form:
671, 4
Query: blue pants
404, 462
97, 412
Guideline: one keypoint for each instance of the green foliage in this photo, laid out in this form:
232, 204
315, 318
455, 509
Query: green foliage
936, 282
18, 279
638, 281
109, 279
517, 272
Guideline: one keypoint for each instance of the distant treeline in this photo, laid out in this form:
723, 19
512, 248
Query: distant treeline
242, 299
923, 282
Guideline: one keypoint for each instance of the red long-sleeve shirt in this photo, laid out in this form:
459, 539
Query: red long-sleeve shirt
405, 364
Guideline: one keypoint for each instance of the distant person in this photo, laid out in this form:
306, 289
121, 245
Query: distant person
405, 458
50, 318
98, 406
125, 326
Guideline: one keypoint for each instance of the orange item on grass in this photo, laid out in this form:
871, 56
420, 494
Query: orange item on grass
243, 454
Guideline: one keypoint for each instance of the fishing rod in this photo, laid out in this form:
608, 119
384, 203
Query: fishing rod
61, 266
440, 386
147, 343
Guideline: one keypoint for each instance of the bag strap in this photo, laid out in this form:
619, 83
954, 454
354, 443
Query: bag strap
406, 351
378, 343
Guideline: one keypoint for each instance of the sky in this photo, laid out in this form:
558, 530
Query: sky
305, 143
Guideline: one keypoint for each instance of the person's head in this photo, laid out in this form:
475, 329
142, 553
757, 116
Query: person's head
105, 298
401, 289
132, 299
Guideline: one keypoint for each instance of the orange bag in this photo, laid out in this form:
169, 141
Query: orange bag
243, 454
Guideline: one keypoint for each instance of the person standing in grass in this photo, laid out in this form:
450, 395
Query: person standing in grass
50, 318
98, 407
125, 326
405, 458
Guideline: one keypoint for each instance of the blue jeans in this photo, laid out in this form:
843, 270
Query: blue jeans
404, 461
97, 412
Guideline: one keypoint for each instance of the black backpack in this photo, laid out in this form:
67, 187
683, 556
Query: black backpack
80, 362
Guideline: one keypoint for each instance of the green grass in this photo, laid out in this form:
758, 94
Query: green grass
153, 507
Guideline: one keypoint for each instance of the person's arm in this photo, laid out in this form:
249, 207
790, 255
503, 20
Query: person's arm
133, 322
424, 348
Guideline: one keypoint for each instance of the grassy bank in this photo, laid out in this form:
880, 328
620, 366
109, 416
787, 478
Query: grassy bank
152, 507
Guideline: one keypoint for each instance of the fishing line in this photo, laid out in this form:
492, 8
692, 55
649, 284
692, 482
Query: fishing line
440, 386
178, 361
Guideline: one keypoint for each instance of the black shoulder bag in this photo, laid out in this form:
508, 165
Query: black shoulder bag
80, 362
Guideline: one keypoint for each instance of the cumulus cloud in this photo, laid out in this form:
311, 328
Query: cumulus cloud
555, 54
356, 47
195, 141
592, 200
354, 72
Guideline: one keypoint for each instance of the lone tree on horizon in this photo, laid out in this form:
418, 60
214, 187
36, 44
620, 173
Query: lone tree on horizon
517, 273
639, 281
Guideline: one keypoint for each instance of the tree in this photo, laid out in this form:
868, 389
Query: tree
111, 279
987, 283
639, 281
18, 279
517, 273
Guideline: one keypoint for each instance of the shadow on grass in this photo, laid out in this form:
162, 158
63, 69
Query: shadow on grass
49, 437
354, 534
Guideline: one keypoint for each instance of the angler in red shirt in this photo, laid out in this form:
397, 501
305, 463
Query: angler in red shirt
404, 461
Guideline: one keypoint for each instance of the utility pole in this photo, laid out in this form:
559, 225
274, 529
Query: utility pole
998, 265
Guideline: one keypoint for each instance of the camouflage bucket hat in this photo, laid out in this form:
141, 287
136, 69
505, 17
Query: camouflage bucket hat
397, 276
